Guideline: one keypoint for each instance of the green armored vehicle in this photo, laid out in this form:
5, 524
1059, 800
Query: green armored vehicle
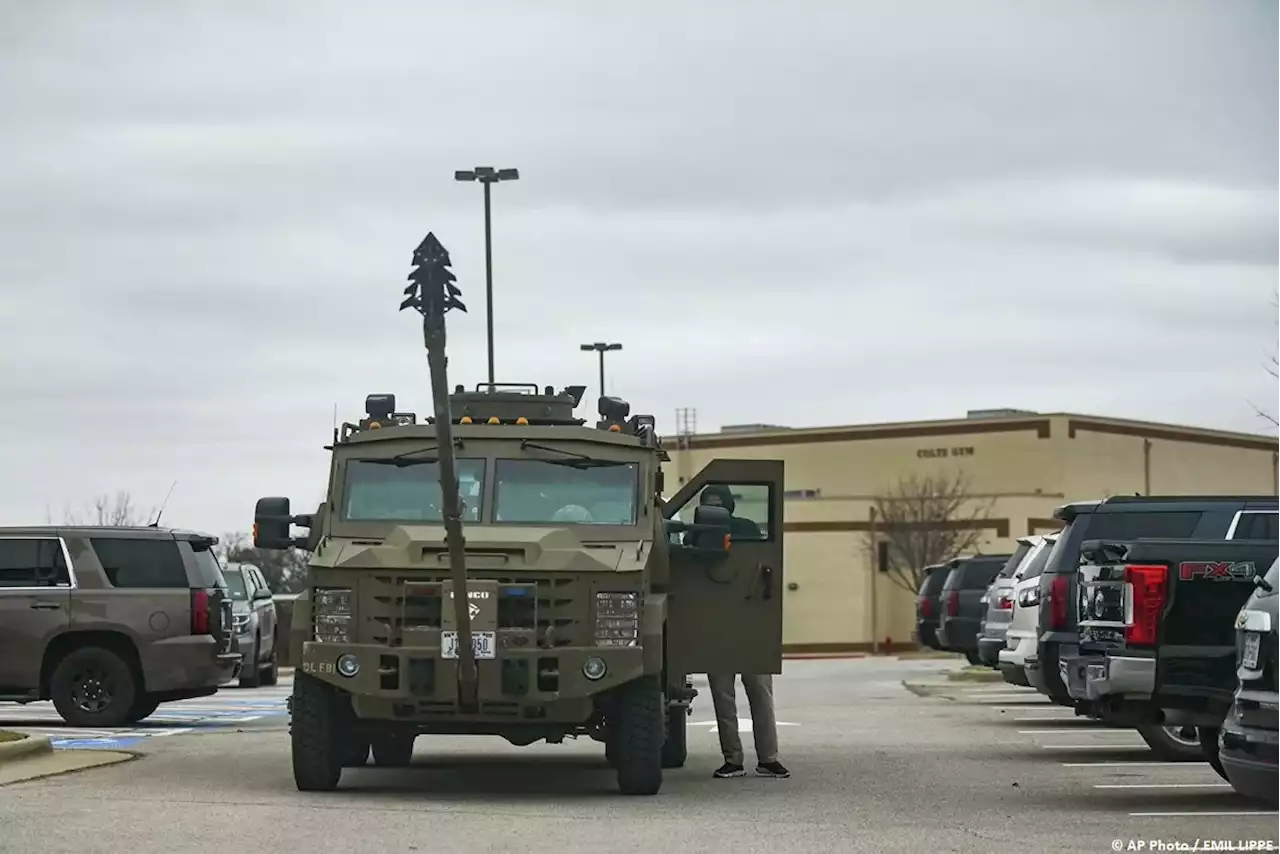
576, 605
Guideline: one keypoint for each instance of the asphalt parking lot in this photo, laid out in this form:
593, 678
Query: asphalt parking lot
877, 767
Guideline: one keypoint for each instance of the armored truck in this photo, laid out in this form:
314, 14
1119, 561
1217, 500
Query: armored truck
507, 569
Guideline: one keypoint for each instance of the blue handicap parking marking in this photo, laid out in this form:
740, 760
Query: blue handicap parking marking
96, 743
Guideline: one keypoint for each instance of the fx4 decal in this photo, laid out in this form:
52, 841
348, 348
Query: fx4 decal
1217, 570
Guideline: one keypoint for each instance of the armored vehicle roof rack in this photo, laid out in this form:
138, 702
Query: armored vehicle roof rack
512, 402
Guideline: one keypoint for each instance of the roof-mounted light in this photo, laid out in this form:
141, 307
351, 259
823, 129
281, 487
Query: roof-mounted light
494, 420
466, 419
522, 420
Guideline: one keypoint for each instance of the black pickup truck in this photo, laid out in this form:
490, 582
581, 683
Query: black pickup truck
1247, 743
1157, 636
1125, 518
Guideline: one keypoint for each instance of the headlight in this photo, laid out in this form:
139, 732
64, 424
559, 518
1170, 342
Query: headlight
617, 619
240, 622
331, 610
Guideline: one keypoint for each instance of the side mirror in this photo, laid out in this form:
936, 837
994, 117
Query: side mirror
261, 593
708, 535
271, 520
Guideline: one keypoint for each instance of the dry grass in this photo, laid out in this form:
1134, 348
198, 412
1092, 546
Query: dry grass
5, 735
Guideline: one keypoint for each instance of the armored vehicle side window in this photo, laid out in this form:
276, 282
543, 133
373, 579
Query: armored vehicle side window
33, 562
132, 563
748, 505
536, 492
406, 490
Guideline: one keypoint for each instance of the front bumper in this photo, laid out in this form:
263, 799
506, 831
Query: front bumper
419, 677
1249, 756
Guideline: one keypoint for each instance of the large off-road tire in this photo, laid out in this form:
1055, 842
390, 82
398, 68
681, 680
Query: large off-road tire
675, 749
271, 671
354, 751
1173, 743
639, 731
393, 751
95, 688
143, 707
1209, 747
315, 730
972, 657
250, 667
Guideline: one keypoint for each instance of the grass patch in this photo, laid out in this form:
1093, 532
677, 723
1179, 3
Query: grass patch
5, 735
926, 654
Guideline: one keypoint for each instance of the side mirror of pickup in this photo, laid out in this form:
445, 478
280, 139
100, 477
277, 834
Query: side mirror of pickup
261, 593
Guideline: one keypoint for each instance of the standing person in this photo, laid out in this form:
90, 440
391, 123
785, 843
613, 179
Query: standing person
764, 727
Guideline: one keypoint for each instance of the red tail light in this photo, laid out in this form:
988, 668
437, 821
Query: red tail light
1004, 602
1058, 602
200, 612
924, 607
1146, 591
953, 603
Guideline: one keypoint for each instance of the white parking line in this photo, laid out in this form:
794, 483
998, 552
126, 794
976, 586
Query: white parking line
1141, 744
1107, 730
1218, 785
1214, 812
1194, 765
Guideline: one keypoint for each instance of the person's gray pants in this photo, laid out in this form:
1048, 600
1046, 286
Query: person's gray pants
764, 727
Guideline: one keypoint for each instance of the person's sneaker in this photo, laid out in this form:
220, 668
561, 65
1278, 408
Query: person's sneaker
772, 769
728, 769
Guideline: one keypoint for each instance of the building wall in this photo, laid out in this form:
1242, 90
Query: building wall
1025, 466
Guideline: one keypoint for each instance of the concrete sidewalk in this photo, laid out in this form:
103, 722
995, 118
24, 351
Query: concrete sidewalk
28, 757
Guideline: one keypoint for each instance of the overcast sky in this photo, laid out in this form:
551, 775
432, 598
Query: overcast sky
814, 213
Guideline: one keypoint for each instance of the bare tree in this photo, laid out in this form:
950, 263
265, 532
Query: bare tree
108, 510
924, 520
1272, 367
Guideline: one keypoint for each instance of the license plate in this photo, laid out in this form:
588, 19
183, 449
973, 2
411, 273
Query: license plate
1252, 643
482, 644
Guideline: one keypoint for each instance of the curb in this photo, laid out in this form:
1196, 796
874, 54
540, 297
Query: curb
818, 656
28, 745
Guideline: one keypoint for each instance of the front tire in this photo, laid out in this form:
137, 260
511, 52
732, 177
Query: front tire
639, 730
1173, 744
314, 732
1209, 747
251, 668
675, 749
95, 688
271, 673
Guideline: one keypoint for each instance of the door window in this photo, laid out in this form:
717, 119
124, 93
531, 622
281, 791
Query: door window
750, 507
33, 562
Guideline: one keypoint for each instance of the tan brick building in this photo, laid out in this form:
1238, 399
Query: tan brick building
1026, 463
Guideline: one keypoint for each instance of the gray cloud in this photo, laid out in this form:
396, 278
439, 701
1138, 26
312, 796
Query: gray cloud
206, 216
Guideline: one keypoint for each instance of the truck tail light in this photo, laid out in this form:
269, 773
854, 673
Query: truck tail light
1058, 602
200, 612
1004, 602
953, 603
1146, 589
924, 607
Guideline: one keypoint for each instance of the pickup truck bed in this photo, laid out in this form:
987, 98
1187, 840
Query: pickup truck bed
1156, 625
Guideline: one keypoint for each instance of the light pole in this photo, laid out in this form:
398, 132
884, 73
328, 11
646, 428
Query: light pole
601, 348
487, 175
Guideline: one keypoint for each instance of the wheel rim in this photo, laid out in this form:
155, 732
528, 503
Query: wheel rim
93, 690
1185, 735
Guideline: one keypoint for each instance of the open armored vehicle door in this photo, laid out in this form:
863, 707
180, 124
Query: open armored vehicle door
725, 610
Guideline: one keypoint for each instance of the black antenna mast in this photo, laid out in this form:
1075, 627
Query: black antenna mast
432, 293
163, 504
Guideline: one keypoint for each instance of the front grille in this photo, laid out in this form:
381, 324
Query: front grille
396, 607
